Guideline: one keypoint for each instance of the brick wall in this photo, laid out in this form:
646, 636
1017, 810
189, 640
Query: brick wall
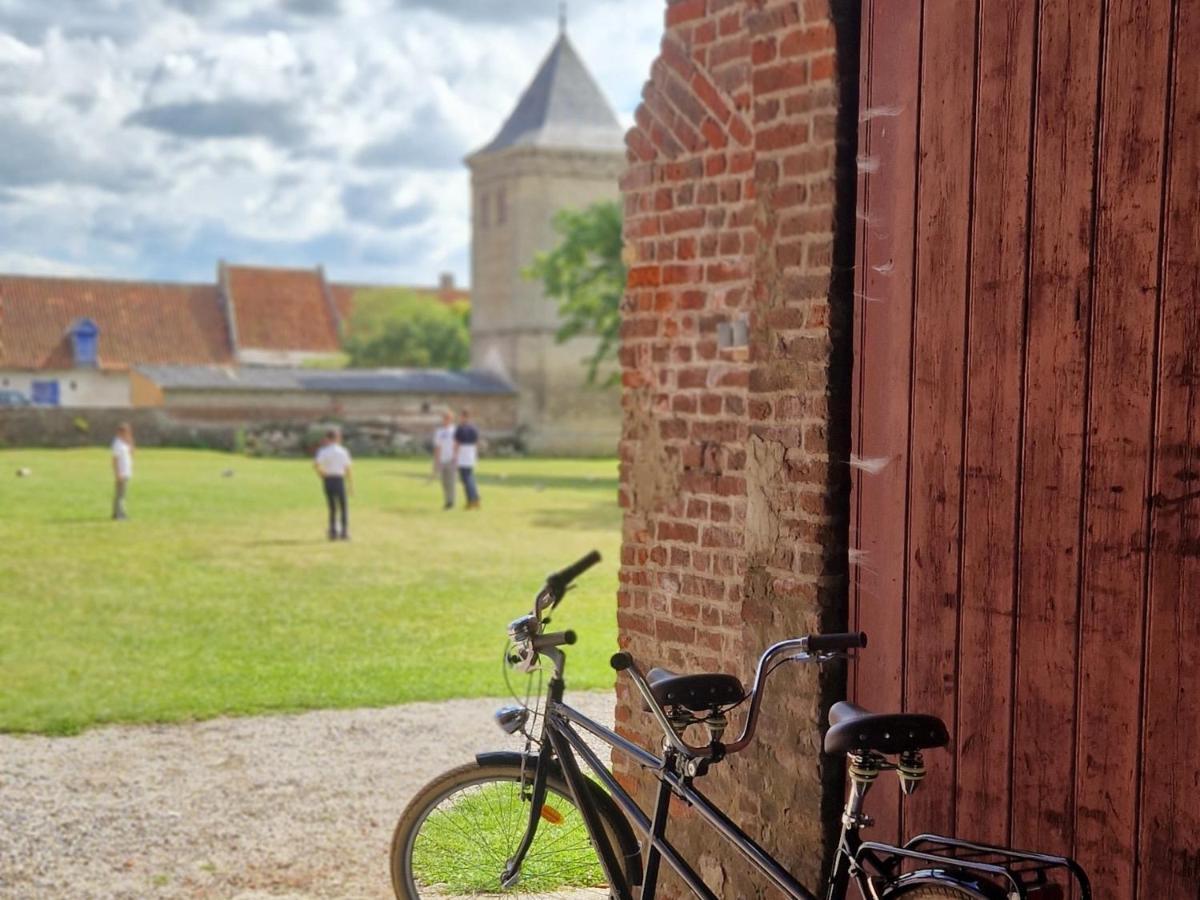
732, 458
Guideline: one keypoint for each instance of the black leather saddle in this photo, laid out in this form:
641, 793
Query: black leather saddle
695, 692
854, 728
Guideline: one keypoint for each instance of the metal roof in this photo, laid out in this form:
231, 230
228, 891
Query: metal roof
329, 381
562, 107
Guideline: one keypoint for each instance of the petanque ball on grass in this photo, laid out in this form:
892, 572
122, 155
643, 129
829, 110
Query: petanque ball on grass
228, 473
24, 472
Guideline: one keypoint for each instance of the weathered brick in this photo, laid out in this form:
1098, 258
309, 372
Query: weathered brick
782, 137
782, 77
729, 215
764, 50
803, 42
721, 54
682, 11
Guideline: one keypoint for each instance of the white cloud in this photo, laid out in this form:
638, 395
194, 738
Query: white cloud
31, 264
146, 137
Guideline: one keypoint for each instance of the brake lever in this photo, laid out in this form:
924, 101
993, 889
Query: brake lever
559, 598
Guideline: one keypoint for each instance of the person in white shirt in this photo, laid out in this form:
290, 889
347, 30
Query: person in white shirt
122, 465
444, 466
334, 468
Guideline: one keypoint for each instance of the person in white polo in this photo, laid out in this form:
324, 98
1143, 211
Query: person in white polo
122, 464
444, 466
333, 467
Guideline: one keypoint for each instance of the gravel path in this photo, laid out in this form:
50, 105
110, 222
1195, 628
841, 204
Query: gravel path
280, 806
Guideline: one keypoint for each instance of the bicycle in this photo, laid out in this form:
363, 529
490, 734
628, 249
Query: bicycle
536, 819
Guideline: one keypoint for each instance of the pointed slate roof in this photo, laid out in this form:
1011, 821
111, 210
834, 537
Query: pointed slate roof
562, 107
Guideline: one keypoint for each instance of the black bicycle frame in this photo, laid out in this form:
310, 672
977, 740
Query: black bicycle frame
562, 742
878, 869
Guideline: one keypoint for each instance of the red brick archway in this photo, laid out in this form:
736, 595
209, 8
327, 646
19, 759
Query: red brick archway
735, 520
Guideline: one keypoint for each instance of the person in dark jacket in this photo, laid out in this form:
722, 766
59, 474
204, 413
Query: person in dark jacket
466, 454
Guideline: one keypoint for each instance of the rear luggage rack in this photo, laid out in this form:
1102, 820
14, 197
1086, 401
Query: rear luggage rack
1023, 875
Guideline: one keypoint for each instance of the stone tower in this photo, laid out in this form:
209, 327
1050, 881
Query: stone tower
562, 147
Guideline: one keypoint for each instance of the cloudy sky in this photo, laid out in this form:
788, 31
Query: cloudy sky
149, 138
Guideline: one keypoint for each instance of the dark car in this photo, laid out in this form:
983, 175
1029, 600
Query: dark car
13, 398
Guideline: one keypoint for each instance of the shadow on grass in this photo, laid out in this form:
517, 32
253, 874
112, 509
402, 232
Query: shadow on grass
597, 517
288, 542
545, 482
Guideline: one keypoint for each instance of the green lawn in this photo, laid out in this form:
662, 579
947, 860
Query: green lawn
222, 596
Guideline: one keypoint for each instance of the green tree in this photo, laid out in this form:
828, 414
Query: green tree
586, 275
396, 327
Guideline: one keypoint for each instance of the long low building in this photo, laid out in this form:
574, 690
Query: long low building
73, 342
249, 394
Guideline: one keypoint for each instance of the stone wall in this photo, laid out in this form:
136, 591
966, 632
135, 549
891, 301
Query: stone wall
221, 430
732, 459
491, 412
58, 427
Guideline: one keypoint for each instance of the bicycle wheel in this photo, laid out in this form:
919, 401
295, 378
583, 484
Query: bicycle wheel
938, 892
456, 835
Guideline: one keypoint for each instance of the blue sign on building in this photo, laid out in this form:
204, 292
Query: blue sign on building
45, 393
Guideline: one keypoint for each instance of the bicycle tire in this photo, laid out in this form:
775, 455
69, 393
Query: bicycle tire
936, 892
480, 819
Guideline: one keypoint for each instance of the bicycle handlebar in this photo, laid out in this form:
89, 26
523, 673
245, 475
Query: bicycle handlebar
805, 648
559, 581
835, 643
526, 632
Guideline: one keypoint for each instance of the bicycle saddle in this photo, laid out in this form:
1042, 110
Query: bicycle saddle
695, 692
854, 728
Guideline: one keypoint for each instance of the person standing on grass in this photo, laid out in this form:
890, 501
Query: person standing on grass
334, 468
466, 447
443, 458
122, 464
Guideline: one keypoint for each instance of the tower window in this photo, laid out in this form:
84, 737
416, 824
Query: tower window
484, 211
501, 206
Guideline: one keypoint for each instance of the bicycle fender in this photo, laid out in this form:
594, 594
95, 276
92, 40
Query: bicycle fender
510, 758
940, 878
629, 849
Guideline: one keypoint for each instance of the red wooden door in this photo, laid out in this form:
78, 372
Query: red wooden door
1026, 507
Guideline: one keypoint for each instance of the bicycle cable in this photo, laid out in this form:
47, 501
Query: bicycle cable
534, 709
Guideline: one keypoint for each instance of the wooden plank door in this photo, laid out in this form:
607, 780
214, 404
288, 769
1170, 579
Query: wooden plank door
1026, 513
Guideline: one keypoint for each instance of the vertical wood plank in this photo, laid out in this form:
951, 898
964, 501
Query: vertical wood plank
1119, 429
1059, 285
1169, 852
935, 447
882, 364
994, 384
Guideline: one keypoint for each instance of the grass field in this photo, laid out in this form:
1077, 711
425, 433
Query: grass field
222, 595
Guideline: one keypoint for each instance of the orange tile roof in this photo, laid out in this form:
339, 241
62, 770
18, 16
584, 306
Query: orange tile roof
281, 309
140, 323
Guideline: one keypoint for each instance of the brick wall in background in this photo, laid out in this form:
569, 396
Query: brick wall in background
732, 474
